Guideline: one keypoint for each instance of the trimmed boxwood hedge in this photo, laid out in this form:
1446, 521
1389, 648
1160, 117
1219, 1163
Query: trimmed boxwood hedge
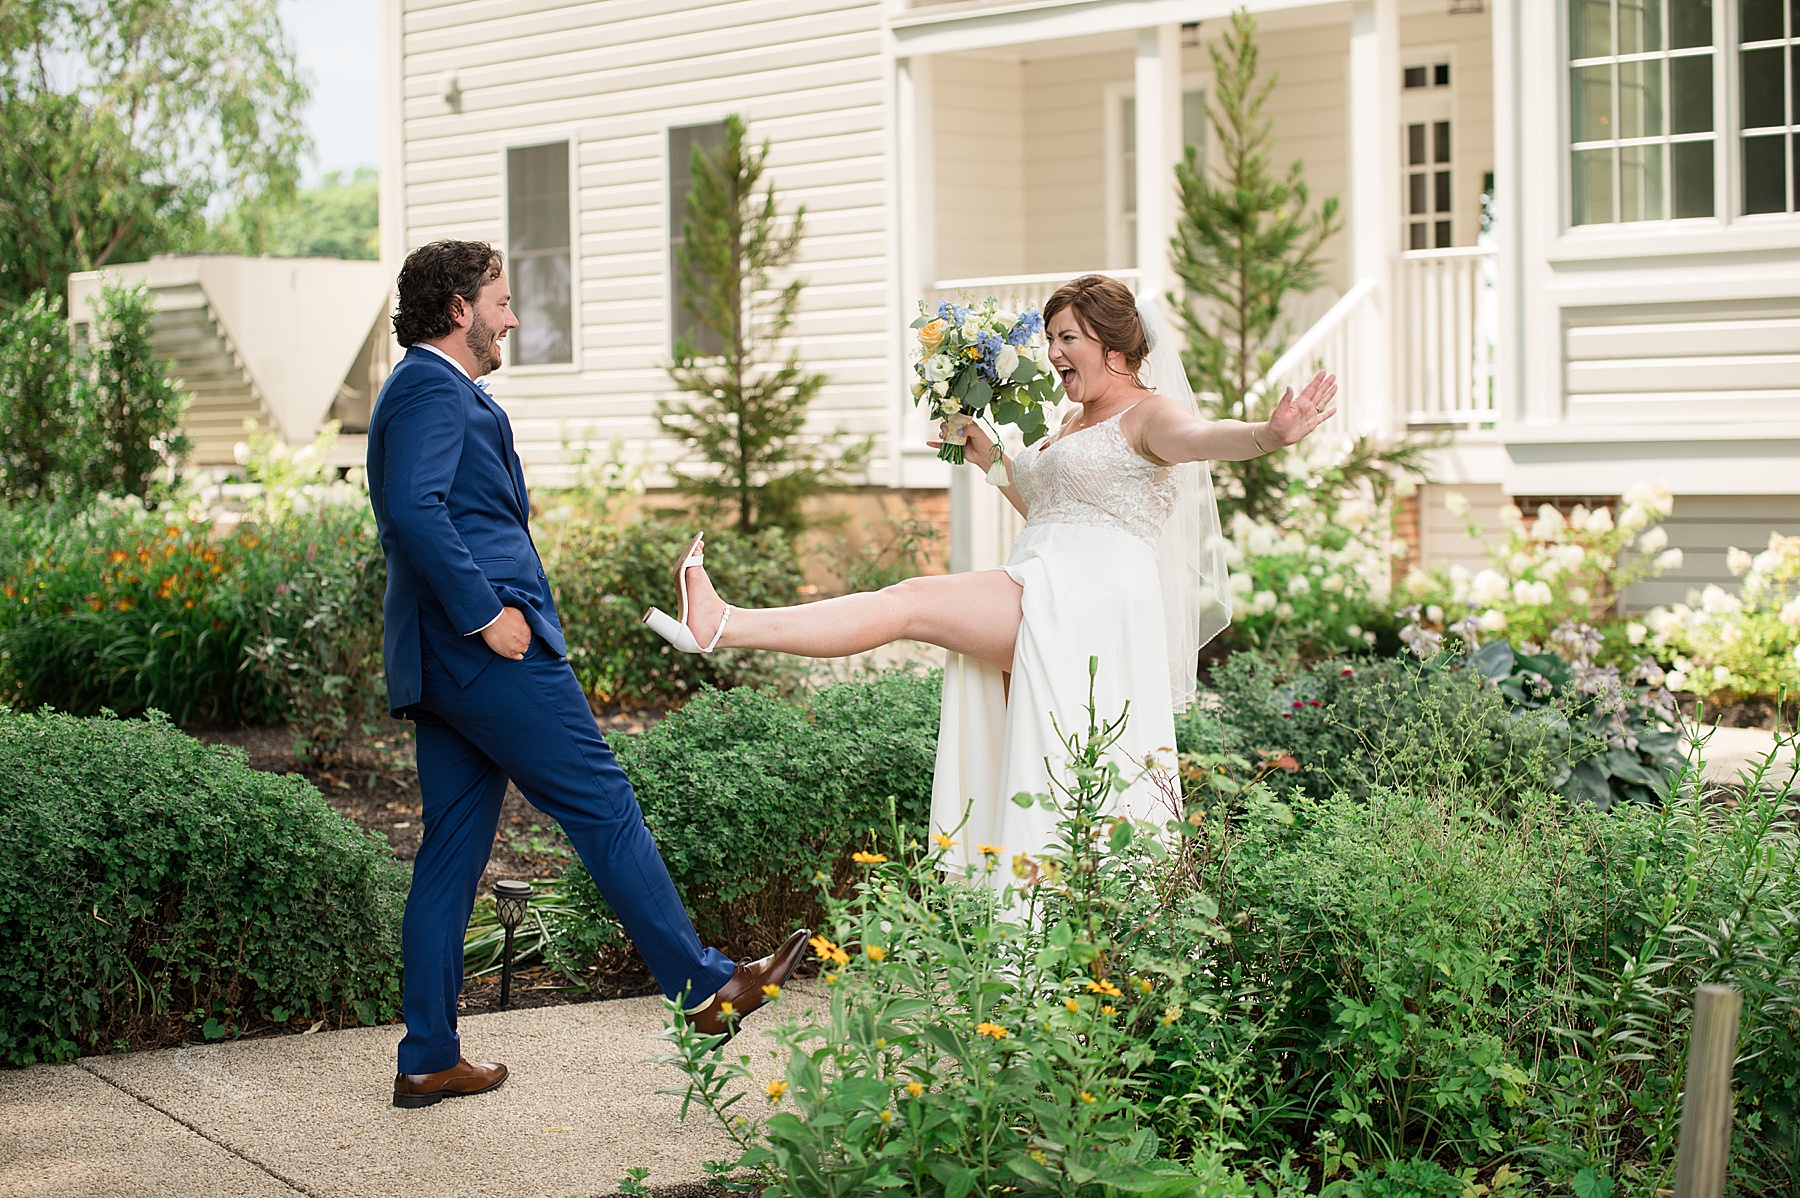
154, 888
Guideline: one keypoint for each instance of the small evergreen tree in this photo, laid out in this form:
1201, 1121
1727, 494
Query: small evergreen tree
128, 415
36, 376
744, 406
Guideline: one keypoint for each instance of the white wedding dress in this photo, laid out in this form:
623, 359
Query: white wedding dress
1088, 562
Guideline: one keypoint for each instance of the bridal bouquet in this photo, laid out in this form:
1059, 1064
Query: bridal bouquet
983, 362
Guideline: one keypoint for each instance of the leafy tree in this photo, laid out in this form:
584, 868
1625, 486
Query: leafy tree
1247, 241
128, 415
336, 219
745, 407
121, 120
36, 378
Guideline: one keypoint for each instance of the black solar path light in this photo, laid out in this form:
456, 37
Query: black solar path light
511, 897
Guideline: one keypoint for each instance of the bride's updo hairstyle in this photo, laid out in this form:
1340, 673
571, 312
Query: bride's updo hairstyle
1107, 312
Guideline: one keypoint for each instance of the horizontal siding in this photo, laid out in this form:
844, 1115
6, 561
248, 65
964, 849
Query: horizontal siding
805, 74
1444, 538
978, 109
1705, 528
1668, 362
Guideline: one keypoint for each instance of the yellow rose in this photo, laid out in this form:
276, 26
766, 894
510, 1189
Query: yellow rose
931, 336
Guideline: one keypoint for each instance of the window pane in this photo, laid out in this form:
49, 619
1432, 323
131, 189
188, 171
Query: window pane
1440, 75
1640, 98
1440, 142
1592, 103
1691, 94
1441, 191
1764, 174
537, 197
1590, 28
1593, 187
541, 299
1759, 20
1415, 200
682, 143
1690, 23
1641, 183
1693, 177
1762, 84
1415, 237
1640, 26
1443, 235
1414, 77
1193, 122
1415, 145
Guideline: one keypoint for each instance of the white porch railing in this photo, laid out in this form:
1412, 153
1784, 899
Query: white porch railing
1019, 291
1446, 322
1334, 343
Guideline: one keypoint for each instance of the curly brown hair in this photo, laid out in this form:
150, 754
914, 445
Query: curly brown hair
1107, 312
431, 275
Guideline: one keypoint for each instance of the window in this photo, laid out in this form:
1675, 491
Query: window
1642, 129
538, 254
1769, 72
1425, 153
1193, 133
682, 143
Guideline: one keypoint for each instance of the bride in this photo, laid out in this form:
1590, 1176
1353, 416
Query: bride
1120, 559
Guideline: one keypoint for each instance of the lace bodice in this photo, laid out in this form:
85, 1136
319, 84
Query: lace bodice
1094, 477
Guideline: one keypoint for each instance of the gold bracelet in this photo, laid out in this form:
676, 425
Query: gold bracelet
1255, 442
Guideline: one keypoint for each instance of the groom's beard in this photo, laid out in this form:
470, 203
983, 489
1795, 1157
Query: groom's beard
484, 343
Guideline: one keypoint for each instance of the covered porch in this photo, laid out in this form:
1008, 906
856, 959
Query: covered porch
1039, 141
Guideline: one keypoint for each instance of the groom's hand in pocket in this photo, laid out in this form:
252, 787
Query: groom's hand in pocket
510, 635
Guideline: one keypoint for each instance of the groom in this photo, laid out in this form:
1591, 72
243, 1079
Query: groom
475, 658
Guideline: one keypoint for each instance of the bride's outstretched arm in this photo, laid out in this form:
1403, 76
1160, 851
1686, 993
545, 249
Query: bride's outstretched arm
1169, 433
981, 452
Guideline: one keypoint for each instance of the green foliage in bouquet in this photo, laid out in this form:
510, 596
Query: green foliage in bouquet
744, 407
156, 889
981, 361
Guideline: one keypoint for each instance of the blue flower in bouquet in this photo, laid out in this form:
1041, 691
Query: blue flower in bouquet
1029, 325
955, 314
990, 345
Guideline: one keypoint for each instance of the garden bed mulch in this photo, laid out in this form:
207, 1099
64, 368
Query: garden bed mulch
376, 786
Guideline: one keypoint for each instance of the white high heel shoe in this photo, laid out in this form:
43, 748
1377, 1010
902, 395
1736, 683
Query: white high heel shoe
677, 632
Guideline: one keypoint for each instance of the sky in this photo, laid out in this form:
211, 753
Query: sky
339, 46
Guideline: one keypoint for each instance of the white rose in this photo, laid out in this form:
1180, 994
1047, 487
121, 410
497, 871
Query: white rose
970, 331
1736, 560
939, 367
1005, 362
1456, 503
1654, 541
1009, 319
1669, 559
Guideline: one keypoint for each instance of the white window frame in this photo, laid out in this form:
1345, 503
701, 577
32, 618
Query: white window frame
1437, 100
1120, 243
572, 136
1728, 230
669, 218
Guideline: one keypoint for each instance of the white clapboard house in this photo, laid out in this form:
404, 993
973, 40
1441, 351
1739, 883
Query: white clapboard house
1572, 227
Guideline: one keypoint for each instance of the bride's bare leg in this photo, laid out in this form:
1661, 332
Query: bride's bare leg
976, 614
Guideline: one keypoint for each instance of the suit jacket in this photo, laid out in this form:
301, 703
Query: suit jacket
450, 504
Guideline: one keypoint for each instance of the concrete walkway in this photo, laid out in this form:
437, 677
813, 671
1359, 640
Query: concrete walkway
1731, 751
310, 1115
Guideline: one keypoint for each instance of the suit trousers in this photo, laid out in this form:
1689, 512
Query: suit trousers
528, 721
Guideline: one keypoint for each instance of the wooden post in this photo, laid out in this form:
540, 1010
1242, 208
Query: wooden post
1706, 1100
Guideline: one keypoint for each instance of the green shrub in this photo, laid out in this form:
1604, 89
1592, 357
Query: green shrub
606, 575
121, 608
35, 381
153, 888
750, 796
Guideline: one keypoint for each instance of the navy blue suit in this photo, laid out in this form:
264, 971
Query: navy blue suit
450, 503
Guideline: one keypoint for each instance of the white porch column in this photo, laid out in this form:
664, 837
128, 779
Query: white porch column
914, 255
1158, 149
1374, 129
392, 204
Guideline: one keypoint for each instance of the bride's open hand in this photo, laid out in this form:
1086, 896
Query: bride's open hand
1297, 415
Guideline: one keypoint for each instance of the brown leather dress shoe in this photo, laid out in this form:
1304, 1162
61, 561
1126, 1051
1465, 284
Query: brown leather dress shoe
414, 1090
744, 992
